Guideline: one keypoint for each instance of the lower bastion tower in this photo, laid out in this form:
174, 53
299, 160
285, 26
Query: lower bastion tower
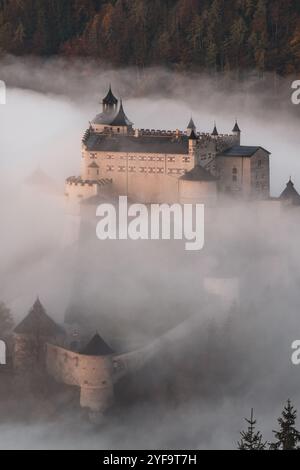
165, 166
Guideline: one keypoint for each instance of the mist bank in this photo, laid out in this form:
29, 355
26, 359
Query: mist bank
198, 391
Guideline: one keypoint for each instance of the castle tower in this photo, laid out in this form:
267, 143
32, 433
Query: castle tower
121, 124
237, 132
110, 102
191, 127
290, 194
96, 377
215, 132
193, 140
31, 336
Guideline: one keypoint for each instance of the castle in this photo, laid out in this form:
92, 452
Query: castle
147, 166
42, 346
160, 166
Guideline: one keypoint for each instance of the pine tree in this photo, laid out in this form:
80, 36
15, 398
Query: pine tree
251, 439
288, 437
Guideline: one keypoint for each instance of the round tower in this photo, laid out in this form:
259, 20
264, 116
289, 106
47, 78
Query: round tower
96, 376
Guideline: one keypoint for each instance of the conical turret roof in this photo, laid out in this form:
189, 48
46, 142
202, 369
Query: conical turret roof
236, 127
38, 323
215, 132
191, 125
290, 193
97, 347
121, 119
110, 99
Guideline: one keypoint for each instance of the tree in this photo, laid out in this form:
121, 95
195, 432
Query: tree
6, 320
259, 37
288, 437
251, 439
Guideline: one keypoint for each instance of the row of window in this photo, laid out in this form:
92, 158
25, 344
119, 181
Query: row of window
144, 169
257, 175
145, 159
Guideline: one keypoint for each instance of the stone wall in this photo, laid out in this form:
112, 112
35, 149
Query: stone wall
198, 192
93, 374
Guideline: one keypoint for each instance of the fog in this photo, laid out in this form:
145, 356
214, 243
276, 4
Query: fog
197, 391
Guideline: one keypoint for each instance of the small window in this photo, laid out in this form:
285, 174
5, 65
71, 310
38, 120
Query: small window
234, 171
259, 163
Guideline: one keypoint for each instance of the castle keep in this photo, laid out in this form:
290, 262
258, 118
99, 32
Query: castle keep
160, 166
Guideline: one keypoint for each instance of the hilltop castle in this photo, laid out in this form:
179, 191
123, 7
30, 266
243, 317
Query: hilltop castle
160, 166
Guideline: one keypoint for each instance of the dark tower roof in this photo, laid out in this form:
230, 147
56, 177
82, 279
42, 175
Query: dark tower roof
97, 347
192, 135
215, 131
236, 127
198, 173
110, 99
290, 193
121, 119
191, 125
38, 323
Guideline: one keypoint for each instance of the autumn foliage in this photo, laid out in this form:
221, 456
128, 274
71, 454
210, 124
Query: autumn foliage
210, 35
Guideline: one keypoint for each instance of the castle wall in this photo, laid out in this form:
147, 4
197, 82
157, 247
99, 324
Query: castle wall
28, 352
208, 148
93, 374
96, 382
77, 190
260, 174
246, 176
235, 175
198, 192
99, 128
62, 365
147, 178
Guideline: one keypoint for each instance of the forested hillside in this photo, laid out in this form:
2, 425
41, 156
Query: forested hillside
214, 35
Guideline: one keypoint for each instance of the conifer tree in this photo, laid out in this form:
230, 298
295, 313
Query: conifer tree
251, 439
288, 437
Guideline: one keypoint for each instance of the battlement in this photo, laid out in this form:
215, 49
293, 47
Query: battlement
157, 133
78, 181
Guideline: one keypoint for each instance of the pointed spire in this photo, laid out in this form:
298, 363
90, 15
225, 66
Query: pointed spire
191, 125
110, 99
193, 136
236, 128
215, 132
38, 322
97, 347
121, 119
290, 193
